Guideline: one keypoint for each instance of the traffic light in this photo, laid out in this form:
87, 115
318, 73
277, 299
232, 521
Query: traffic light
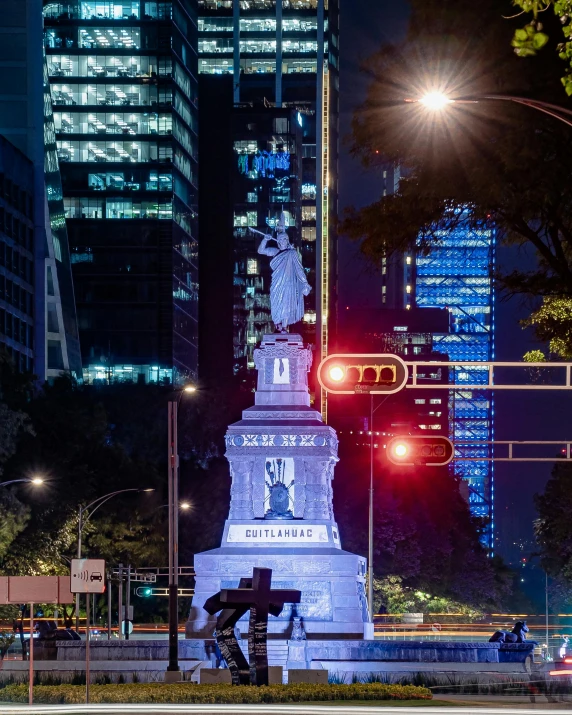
426, 451
346, 374
145, 591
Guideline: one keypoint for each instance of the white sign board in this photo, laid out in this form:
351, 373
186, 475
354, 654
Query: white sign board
87, 576
281, 533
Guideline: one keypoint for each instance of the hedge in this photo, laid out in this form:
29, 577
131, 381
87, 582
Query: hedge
202, 694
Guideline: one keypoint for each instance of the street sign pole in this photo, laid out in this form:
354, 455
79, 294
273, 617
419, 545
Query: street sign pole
87, 662
127, 601
120, 603
108, 609
31, 657
87, 576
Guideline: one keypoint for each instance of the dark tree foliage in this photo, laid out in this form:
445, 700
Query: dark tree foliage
89, 441
553, 528
423, 532
504, 163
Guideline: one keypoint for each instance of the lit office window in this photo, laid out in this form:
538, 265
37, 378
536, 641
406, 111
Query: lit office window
124, 38
215, 4
257, 24
308, 213
302, 66
107, 151
216, 24
301, 4
215, 46
216, 67
252, 266
255, 46
158, 10
257, 66
300, 25
299, 46
83, 208
109, 10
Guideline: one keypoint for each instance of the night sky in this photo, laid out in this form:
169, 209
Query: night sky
365, 25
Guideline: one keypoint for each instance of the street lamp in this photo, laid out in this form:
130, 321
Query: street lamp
173, 673
438, 101
96, 503
36, 481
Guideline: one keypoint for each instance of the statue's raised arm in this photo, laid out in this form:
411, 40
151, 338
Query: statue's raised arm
289, 284
263, 247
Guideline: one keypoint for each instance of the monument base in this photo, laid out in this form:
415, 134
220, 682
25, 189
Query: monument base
331, 581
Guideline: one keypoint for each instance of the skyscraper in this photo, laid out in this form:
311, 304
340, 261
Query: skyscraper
39, 319
285, 55
458, 274
123, 77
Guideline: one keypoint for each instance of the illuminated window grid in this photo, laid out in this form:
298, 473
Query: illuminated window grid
457, 275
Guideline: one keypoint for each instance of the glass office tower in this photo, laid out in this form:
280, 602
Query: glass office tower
285, 55
42, 335
123, 77
458, 274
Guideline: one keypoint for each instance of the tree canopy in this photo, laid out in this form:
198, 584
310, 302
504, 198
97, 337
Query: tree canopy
531, 38
490, 162
426, 542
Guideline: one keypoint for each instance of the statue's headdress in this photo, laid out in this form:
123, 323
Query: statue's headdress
281, 225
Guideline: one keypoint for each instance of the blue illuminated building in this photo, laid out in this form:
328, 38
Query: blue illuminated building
458, 274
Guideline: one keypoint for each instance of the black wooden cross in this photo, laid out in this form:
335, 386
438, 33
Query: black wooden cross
262, 601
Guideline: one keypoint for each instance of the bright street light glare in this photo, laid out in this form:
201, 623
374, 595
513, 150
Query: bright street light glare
190, 388
337, 374
400, 450
185, 505
147, 490
435, 101
37, 481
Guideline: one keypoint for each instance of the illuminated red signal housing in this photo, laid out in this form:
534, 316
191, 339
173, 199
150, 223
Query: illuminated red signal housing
427, 451
347, 374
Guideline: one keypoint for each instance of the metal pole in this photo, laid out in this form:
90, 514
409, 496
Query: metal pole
31, 657
173, 466
546, 606
108, 609
79, 530
370, 540
127, 601
120, 601
87, 673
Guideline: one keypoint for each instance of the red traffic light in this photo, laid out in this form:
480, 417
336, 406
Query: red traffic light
426, 451
346, 374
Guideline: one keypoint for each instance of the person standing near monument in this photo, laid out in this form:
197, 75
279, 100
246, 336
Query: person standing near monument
289, 284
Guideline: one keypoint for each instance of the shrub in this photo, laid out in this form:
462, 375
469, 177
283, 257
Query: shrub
201, 694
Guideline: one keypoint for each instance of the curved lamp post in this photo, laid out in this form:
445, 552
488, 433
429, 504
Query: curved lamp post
36, 481
173, 674
438, 101
96, 503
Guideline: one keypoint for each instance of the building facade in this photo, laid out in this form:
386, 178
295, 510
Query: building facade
457, 274
42, 336
410, 334
267, 174
123, 78
285, 55
17, 289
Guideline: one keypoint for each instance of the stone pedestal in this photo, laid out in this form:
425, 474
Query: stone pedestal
283, 441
